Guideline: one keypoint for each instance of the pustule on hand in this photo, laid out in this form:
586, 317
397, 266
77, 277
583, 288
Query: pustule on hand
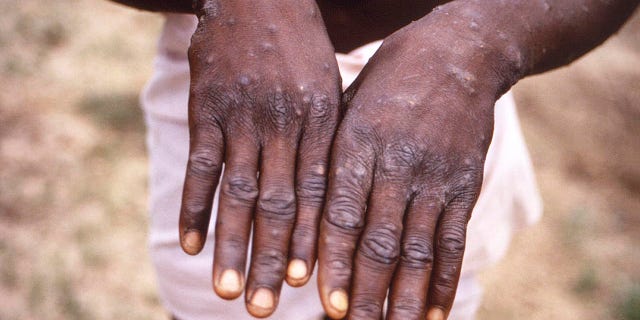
485, 44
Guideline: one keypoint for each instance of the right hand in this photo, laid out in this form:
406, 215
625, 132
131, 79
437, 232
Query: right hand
264, 97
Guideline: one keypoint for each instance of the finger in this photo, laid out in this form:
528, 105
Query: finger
275, 215
311, 179
408, 294
449, 251
378, 250
203, 171
343, 219
238, 194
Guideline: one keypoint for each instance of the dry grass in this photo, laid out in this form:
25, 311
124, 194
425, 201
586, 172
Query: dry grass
583, 127
73, 174
73, 177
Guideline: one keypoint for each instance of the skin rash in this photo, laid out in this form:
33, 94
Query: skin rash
382, 178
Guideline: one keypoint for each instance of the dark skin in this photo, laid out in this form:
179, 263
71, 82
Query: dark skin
407, 157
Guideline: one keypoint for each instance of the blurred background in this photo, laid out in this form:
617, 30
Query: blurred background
73, 174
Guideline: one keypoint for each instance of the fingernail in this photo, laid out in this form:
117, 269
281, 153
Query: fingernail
339, 300
297, 269
229, 284
435, 314
262, 302
191, 242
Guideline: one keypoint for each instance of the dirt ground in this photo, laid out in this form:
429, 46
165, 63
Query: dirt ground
73, 174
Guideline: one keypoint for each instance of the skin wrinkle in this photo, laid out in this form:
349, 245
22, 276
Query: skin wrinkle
365, 310
382, 244
277, 204
416, 252
311, 190
345, 215
241, 189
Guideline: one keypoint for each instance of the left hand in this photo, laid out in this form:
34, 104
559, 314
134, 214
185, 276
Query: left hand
406, 170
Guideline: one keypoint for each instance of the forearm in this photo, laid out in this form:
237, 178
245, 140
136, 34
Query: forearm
529, 37
177, 6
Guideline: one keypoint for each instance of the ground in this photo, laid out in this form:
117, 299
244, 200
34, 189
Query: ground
73, 174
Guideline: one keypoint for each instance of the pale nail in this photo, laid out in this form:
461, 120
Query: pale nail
191, 242
297, 269
230, 282
262, 302
435, 314
339, 300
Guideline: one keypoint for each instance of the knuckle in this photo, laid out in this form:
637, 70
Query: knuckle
401, 159
269, 261
345, 213
209, 103
444, 288
408, 308
192, 211
435, 166
347, 204
382, 244
451, 242
465, 185
218, 100
356, 133
203, 163
312, 187
241, 189
406, 153
468, 178
321, 109
276, 203
280, 112
304, 234
417, 252
340, 265
233, 244
365, 308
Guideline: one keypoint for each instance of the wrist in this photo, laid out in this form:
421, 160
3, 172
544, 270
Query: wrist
284, 11
474, 41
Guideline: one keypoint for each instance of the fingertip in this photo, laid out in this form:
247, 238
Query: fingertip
436, 313
338, 304
229, 284
192, 242
262, 303
297, 273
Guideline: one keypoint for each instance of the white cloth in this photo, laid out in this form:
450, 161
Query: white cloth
509, 198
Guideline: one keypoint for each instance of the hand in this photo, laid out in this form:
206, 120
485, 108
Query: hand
265, 91
406, 170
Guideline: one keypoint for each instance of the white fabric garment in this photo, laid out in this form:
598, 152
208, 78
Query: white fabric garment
509, 199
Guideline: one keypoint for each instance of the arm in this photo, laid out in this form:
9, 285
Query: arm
177, 6
420, 119
537, 36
